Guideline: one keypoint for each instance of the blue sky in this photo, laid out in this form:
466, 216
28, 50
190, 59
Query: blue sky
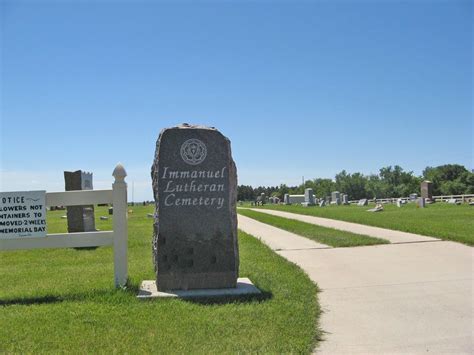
301, 88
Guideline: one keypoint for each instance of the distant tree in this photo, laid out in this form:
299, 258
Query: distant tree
390, 182
450, 179
353, 185
397, 183
245, 193
323, 187
374, 187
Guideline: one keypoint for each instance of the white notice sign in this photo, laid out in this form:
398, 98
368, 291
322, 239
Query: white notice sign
22, 214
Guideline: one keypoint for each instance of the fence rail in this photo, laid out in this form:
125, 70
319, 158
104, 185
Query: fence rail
117, 238
447, 197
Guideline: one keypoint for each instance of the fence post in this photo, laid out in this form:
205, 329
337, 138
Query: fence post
119, 201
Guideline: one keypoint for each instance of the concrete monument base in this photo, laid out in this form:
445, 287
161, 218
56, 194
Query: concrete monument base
244, 287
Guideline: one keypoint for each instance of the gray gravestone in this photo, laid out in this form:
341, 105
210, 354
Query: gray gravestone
345, 199
79, 218
309, 197
286, 199
427, 189
421, 202
363, 202
195, 189
336, 197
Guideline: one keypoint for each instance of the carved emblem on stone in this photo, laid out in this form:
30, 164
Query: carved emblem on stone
193, 151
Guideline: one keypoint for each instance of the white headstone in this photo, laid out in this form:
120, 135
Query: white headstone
421, 202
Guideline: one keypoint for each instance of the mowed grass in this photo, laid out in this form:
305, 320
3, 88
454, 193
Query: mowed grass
449, 222
63, 300
328, 236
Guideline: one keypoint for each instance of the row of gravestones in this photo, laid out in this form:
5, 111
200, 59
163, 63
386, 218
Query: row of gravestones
308, 199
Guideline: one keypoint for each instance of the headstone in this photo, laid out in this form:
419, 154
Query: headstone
274, 200
79, 218
111, 210
104, 218
328, 200
322, 203
413, 197
363, 202
309, 197
286, 199
195, 189
453, 201
421, 202
345, 199
336, 197
296, 199
427, 189
378, 208
399, 202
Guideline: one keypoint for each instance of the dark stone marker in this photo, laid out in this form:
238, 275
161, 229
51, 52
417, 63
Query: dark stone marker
195, 189
79, 218
427, 189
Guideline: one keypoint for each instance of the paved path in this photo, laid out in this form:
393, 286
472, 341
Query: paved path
388, 234
392, 298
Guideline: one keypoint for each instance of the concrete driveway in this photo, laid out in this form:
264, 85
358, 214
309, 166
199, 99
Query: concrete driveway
411, 297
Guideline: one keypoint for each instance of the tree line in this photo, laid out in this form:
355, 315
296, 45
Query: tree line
390, 182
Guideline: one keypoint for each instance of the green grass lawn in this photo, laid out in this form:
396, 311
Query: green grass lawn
63, 300
440, 220
329, 236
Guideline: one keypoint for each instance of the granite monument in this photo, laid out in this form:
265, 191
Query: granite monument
79, 218
195, 228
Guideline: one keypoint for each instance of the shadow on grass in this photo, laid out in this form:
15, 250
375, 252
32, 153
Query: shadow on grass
216, 300
50, 299
132, 291
31, 300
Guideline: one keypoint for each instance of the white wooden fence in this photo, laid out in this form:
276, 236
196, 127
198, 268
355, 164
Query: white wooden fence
462, 198
116, 238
